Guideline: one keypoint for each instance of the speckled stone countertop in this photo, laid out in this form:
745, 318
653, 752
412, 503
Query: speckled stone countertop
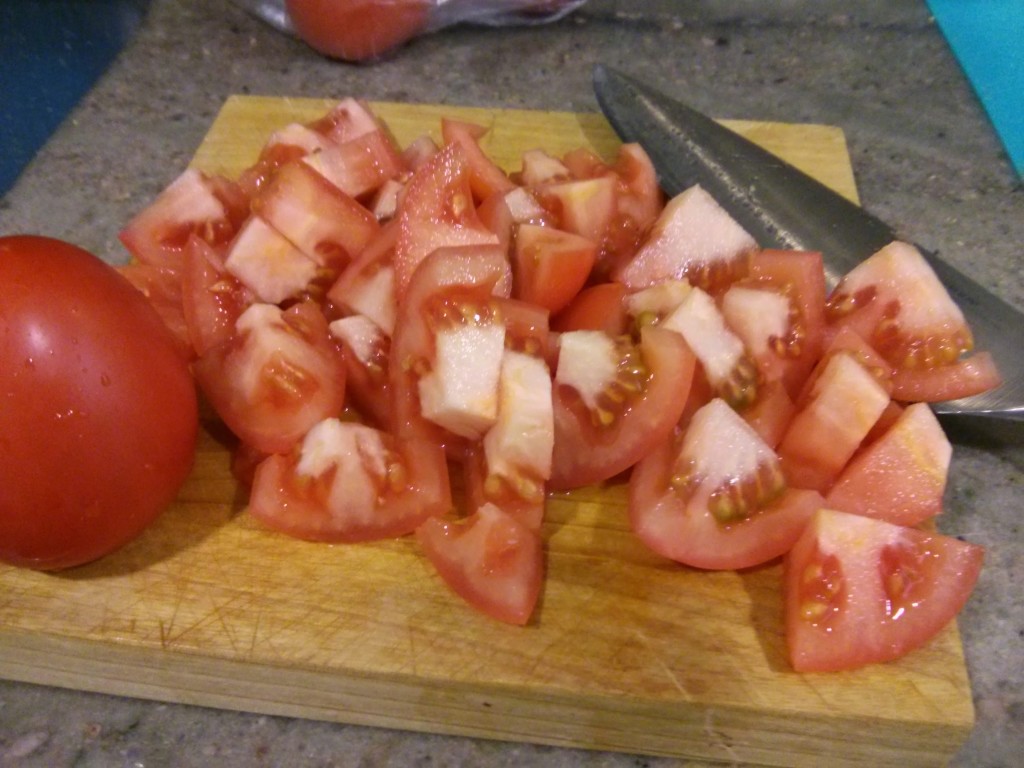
925, 159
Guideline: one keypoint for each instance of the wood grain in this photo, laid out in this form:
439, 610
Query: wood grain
626, 652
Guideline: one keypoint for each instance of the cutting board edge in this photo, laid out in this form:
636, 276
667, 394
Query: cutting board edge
745, 736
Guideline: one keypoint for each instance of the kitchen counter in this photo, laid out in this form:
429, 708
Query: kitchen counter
925, 159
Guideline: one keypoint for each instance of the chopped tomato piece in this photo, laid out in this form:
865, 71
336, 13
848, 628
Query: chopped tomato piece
437, 211
209, 207
212, 298
268, 264
550, 266
350, 482
359, 166
367, 286
722, 355
614, 401
716, 496
895, 301
291, 143
327, 225
843, 406
901, 476
277, 376
584, 207
779, 313
490, 559
862, 591
451, 288
162, 287
367, 352
693, 238
485, 178
349, 119
598, 307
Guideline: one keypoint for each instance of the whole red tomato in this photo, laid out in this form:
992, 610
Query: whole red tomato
98, 414
357, 30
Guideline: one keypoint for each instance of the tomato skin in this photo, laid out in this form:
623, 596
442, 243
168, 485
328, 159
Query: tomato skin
357, 30
99, 414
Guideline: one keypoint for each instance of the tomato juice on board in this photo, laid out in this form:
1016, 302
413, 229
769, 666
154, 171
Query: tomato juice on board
557, 326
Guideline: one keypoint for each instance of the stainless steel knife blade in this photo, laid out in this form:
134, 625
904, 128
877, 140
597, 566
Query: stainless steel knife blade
782, 207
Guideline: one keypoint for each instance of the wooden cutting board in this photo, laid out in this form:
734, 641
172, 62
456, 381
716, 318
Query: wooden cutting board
626, 652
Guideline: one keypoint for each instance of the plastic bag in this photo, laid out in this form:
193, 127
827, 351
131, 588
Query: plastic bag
360, 30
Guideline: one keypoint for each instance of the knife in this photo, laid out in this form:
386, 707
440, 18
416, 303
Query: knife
782, 207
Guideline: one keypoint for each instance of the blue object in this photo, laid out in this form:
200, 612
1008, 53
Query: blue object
987, 37
51, 53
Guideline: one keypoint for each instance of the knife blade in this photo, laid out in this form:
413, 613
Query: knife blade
782, 207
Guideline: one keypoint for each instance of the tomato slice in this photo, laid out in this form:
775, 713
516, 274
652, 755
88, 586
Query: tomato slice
614, 401
715, 496
210, 207
349, 482
901, 476
490, 559
862, 591
550, 266
278, 375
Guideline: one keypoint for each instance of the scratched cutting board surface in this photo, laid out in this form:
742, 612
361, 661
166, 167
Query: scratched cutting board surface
626, 651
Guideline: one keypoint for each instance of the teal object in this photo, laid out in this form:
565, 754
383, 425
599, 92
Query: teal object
51, 54
987, 37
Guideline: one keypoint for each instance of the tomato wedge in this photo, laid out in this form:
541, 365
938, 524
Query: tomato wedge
900, 476
451, 290
210, 207
895, 301
350, 482
862, 591
276, 377
616, 402
490, 559
715, 497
